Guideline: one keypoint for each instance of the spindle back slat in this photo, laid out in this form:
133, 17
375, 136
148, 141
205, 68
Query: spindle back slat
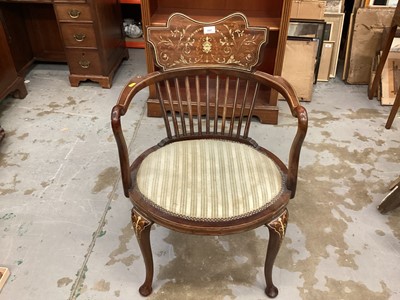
189, 103
207, 104
163, 109
230, 101
246, 91
224, 107
216, 104
232, 120
198, 100
170, 102
250, 114
180, 105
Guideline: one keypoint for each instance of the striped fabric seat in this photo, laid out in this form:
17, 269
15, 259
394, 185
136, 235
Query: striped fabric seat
209, 179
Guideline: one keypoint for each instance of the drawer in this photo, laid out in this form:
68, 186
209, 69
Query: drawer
77, 1
84, 62
78, 35
73, 12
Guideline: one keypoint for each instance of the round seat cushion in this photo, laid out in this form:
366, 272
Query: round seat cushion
209, 179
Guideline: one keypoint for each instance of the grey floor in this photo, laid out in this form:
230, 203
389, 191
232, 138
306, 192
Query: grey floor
65, 229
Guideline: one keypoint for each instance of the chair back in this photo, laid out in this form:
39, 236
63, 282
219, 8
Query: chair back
212, 101
208, 85
209, 102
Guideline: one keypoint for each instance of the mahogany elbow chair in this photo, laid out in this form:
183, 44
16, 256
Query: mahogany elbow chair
208, 176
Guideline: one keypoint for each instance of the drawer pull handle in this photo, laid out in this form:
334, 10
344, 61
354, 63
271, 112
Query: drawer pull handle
74, 13
79, 37
84, 64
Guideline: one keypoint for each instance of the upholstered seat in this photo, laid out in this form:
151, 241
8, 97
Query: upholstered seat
185, 178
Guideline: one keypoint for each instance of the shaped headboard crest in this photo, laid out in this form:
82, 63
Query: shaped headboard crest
228, 42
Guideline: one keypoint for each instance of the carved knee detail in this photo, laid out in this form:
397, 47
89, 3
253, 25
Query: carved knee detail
139, 223
279, 224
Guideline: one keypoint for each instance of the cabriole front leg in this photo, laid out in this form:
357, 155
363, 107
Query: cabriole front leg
277, 230
142, 227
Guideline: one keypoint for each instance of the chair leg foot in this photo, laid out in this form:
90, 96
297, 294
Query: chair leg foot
145, 290
271, 291
142, 228
277, 230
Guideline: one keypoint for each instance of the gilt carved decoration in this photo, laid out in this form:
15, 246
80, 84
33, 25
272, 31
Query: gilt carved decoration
279, 225
226, 42
139, 223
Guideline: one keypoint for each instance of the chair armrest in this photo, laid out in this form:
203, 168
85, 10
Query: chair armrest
286, 90
135, 85
294, 155
116, 114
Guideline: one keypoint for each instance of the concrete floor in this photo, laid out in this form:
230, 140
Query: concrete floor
65, 225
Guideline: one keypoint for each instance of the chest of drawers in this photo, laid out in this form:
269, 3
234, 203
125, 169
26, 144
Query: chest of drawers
93, 39
86, 34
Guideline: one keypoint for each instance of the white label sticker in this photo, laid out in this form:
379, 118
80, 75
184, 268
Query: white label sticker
209, 29
328, 45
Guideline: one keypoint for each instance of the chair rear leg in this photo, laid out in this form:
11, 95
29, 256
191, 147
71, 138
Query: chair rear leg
277, 230
142, 228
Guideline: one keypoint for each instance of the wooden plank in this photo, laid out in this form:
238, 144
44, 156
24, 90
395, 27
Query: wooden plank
392, 199
374, 65
390, 78
4, 274
348, 46
326, 58
299, 66
310, 10
367, 40
336, 19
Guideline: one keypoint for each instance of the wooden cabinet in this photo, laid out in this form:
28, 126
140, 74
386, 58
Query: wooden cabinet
93, 39
10, 82
29, 28
272, 14
86, 34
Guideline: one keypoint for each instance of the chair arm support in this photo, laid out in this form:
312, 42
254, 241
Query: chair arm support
135, 85
116, 113
299, 112
294, 155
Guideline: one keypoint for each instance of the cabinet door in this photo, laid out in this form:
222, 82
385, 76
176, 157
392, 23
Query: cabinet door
8, 74
111, 36
42, 28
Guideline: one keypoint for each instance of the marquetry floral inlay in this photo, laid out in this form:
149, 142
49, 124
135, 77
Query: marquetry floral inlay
207, 45
184, 42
